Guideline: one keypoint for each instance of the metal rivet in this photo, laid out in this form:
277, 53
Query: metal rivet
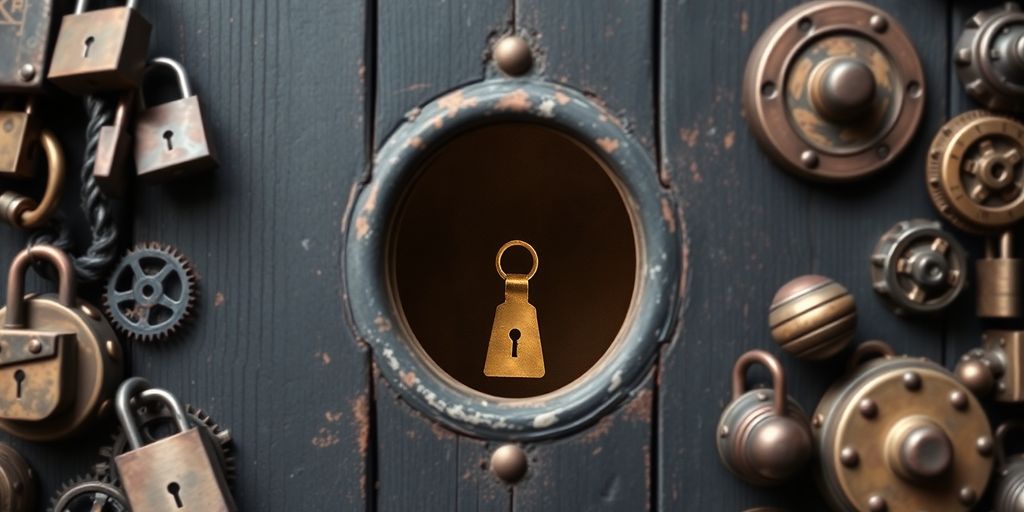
912, 381
113, 349
967, 496
35, 346
958, 399
849, 457
877, 503
725, 431
27, 72
762, 396
817, 421
513, 56
509, 463
90, 311
879, 23
868, 408
985, 445
809, 158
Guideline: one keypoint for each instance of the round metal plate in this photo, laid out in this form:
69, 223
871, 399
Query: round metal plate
918, 268
807, 65
975, 172
990, 57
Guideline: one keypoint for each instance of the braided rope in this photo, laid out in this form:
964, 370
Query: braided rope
102, 251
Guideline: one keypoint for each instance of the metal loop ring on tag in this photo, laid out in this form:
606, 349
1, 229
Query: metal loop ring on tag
517, 243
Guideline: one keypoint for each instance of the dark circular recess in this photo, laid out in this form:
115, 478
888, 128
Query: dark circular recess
526, 113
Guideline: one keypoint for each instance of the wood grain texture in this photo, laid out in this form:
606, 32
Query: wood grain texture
752, 227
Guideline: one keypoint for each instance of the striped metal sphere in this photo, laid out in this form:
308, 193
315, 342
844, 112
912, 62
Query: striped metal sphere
813, 317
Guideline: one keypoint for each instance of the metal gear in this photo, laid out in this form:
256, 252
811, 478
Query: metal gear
918, 268
157, 424
89, 494
151, 292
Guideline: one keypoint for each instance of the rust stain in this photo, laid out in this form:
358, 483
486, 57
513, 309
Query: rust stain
744, 20
695, 173
333, 417
324, 357
438, 121
218, 299
440, 432
362, 227
516, 101
880, 68
408, 378
839, 46
798, 78
325, 438
809, 124
456, 101
361, 422
639, 408
689, 136
371, 200
666, 213
416, 87
608, 144
562, 98
383, 325
729, 140
598, 431
416, 143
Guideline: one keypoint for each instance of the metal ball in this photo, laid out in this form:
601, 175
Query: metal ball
813, 317
976, 376
779, 448
509, 463
512, 55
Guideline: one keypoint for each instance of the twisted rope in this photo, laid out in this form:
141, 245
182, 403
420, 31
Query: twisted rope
102, 251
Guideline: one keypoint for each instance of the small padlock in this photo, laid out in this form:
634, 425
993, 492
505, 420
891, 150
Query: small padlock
26, 213
17, 481
996, 368
1000, 280
763, 435
19, 130
175, 474
171, 139
100, 51
26, 28
1008, 493
112, 149
59, 358
515, 349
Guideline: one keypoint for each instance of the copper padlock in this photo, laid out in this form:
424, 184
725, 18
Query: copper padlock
171, 139
26, 36
24, 212
1008, 492
19, 130
900, 433
112, 149
1000, 280
100, 51
996, 368
763, 435
179, 473
59, 358
17, 482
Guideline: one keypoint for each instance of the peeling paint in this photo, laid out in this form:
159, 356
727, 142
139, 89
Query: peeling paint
408, 378
667, 215
616, 381
383, 325
545, 420
218, 299
361, 422
416, 143
455, 101
516, 101
362, 227
608, 144
547, 108
389, 354
729, 140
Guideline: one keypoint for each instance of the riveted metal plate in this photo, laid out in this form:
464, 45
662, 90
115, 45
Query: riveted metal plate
26, 29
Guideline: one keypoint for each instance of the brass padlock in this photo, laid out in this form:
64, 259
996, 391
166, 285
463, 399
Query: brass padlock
996, 367
763, 435
515, 349
19, 130
178, 473
17, 482
100, 51
1008, 493
26, 28
112, 149
171, 139
900, 433
1000, 280
25, 213
59, 358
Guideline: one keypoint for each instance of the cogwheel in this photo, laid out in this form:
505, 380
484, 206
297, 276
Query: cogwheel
156, 423
89, 494
151, 292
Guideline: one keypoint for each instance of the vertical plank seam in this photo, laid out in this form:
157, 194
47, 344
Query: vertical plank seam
370, 134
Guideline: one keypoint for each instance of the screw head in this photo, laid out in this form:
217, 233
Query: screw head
868, 408
35, 346
849, 457
512, 55
912, 381
879, 23
985, 445
27, 72
958, 399
509, 463
809, 158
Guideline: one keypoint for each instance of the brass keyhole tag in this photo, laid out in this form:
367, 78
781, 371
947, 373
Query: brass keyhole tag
515, 348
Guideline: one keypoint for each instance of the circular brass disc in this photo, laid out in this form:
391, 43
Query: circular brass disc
902, 391
797, 109
975, 172
100, 369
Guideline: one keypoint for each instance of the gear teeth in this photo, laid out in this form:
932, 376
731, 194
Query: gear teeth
186, 273
69, 484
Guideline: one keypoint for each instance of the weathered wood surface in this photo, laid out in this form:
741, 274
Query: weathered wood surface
298, 95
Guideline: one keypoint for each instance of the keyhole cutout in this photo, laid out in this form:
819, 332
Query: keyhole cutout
19, 378
514, 335
88, 45
175, 491
168, 135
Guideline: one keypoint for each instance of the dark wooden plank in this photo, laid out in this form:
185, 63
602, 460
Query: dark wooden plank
428, 47
752, 227
479, 488
270, 354
604, 467
604, 48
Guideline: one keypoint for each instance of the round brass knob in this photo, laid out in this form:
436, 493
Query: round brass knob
512, 55
922, 451
976, 376
509, 463
813, 317
842, 89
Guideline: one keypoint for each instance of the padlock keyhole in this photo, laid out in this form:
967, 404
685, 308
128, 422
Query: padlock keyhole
175, 491
168, 135
88, 45
19, 378
514, 335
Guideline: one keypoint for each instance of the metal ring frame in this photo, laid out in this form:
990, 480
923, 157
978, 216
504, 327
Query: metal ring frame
524, 245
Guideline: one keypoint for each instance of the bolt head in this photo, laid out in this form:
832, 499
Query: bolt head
985, 445
849, 457
912, 381
958, 399
509, 463
967, 496
868, 408
809, 158
877, 503
512, 55
35, 346
27, 72
879, 23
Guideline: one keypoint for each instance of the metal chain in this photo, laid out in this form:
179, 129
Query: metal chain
102, 251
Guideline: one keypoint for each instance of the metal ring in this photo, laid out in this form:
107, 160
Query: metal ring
516, 243
40, 214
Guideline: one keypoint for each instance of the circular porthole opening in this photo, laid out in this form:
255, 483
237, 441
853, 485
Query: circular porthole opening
509, 181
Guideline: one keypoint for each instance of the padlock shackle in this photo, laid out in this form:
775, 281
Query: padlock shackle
179, 72
868, 350
140, 389
1001, 432
16, 281
39, 213
739, 376
83, 5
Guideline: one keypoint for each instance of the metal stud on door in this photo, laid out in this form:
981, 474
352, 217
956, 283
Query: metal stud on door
171, 139
176, 474
100, 51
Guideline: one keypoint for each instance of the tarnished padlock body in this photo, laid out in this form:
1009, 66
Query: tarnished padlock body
26, 28
900, 433
117, 49
181, 124
740, 419
99, 367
